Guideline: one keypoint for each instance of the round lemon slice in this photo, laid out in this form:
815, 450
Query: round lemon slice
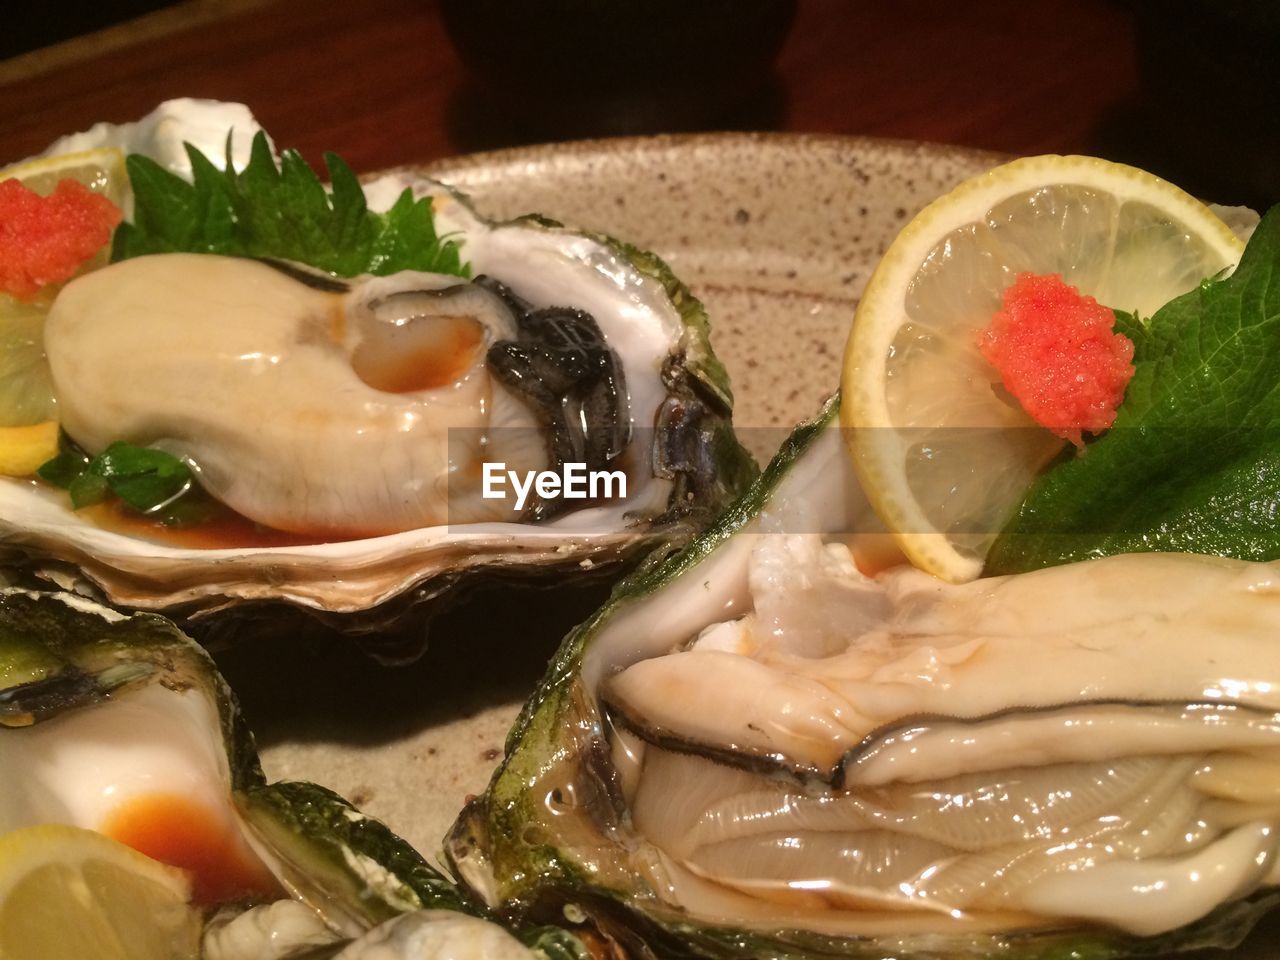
68, 894
943, 452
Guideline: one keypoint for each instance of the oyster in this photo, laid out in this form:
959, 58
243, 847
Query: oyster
362, 414
755, 749
122, 725
364, 387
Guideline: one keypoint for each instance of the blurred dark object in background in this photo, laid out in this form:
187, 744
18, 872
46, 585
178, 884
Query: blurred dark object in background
1209, 114
561, 69
44, 24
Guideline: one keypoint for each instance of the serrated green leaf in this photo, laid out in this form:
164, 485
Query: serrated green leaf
1132, 326
166, 221
354, 228
212, 209
282, 211
407, 227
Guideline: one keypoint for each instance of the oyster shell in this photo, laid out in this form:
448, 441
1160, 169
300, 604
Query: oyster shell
105, 719
669, 431
755, 749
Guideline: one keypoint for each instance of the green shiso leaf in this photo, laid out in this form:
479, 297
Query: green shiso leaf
63, 470
280, 211
1133, 327
144, 478
1192, 463
409, 229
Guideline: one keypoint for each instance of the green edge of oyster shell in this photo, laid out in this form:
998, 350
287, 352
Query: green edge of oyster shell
355, 861
532, 875
658, 569
735, 467
60, 652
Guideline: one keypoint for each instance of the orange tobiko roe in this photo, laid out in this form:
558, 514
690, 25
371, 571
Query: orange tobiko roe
44, 240
1058, 353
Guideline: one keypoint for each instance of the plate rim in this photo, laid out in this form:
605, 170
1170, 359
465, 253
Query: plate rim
777, 139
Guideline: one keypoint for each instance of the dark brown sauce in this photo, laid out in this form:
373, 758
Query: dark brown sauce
436, 359
221, 528
182, 832
337, 320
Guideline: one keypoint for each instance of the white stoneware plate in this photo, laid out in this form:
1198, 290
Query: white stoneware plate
777, 234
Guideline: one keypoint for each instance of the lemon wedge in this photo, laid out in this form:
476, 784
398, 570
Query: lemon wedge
24, 449
68, 894
26, 393
102, 170
942, 451
26, 389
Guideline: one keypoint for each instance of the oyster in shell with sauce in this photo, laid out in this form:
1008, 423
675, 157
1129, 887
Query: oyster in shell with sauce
378, 437
121, 725
756, 749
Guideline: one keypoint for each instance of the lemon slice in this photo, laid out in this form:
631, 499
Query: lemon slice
102, 170
26, 392
24, 449
68, 894
943, 452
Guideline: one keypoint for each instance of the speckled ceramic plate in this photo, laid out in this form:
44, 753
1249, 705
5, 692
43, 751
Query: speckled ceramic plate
777, 233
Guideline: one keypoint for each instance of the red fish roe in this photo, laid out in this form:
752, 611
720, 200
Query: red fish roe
1058, 354
44, 240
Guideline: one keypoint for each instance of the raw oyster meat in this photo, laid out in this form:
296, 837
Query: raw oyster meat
755, 748
364, 399
566, 347
122, 725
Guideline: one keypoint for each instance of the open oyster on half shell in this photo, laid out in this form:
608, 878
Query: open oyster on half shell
377, 438
122, 725
756, 749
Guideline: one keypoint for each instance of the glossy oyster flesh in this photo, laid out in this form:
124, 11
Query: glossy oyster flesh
122, 725
756, 749
357, 416
369, 402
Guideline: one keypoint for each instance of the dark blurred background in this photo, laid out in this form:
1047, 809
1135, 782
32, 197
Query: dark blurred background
1187, 88
62, 21
1206, 112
